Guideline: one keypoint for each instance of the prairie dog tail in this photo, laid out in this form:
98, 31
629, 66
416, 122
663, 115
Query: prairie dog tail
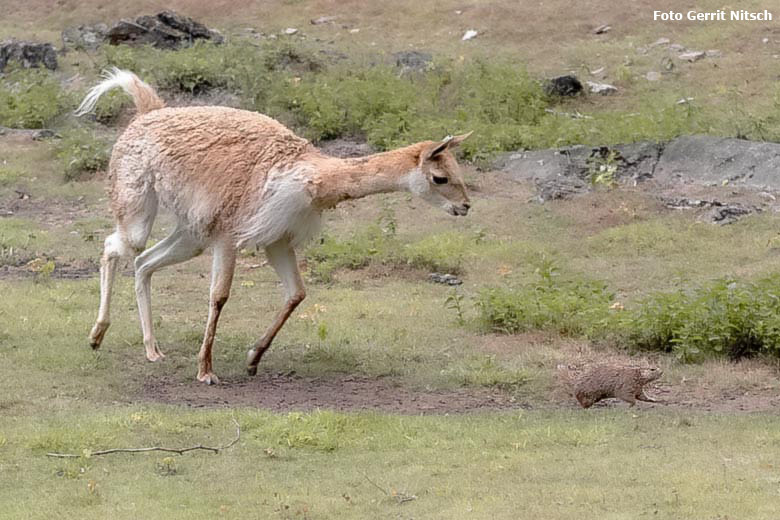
144, 96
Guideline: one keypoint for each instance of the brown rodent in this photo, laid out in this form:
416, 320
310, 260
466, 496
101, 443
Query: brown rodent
604, 381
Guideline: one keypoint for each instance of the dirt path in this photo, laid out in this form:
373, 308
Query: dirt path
277, 392
346, 393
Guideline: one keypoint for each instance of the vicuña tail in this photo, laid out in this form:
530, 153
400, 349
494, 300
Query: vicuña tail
144, 96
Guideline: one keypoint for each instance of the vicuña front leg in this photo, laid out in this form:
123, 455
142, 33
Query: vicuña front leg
175, 248
282, 257
224, 263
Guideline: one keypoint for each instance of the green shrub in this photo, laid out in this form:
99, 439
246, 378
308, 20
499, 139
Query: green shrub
724, 318
573, 307
30, 98
110, 105
81, 151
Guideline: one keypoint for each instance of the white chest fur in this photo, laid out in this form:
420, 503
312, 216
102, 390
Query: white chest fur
284, 211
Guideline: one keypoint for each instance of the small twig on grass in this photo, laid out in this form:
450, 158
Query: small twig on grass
575, 115
180, 451
399, 497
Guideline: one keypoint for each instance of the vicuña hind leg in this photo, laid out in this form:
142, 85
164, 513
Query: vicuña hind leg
176, 248
282, 257
114, 249
127, 241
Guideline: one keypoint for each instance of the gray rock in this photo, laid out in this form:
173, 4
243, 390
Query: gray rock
692, 56
447, 279
561, 173
84, 37
602, 89
653, 76
345, 148
567, 85
45, 133
166, 30
659, 42
729, 213
676, 47
416, 61
716, 161
28, 54
324, 19
601, 29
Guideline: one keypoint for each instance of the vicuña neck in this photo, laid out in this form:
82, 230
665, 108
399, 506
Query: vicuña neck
337, 180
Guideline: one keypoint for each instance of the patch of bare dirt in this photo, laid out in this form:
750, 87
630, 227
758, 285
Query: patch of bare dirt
75, 270
277, 392
49, 212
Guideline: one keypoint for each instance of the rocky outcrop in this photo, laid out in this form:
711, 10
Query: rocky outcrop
28, 54
567, 85
84, 37
696, 160
165, 30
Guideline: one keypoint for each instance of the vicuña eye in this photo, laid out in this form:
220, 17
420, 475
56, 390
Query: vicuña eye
440, 180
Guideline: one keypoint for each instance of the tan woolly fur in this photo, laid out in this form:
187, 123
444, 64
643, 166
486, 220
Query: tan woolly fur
234, 178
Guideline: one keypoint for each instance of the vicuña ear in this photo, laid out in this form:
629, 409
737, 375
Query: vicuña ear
455, 141
447, 142
438, 148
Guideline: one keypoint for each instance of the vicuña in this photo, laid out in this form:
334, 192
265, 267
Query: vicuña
233, 179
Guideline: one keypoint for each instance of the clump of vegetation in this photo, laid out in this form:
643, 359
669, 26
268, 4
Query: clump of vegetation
375, 245
498, 100
574, 306
82, 152
30, 98
722, 318
725, 317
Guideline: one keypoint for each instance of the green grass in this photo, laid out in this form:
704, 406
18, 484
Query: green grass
329, 465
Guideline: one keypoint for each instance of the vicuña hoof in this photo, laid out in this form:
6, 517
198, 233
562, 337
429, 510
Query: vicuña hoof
250, 358
96, 335
209, 378
154, 354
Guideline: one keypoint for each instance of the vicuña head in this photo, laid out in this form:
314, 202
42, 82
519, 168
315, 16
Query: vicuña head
234, 178
443, 184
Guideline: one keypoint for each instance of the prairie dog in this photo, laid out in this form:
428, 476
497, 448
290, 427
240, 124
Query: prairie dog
604, 381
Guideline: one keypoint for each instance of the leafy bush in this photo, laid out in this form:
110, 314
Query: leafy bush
30, 98
723, 318
726, 317
80, 151
572, 307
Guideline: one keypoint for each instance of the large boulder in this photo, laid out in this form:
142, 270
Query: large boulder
708, 160
28, 54
563, 86
84, 37
165, 30
560, 173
